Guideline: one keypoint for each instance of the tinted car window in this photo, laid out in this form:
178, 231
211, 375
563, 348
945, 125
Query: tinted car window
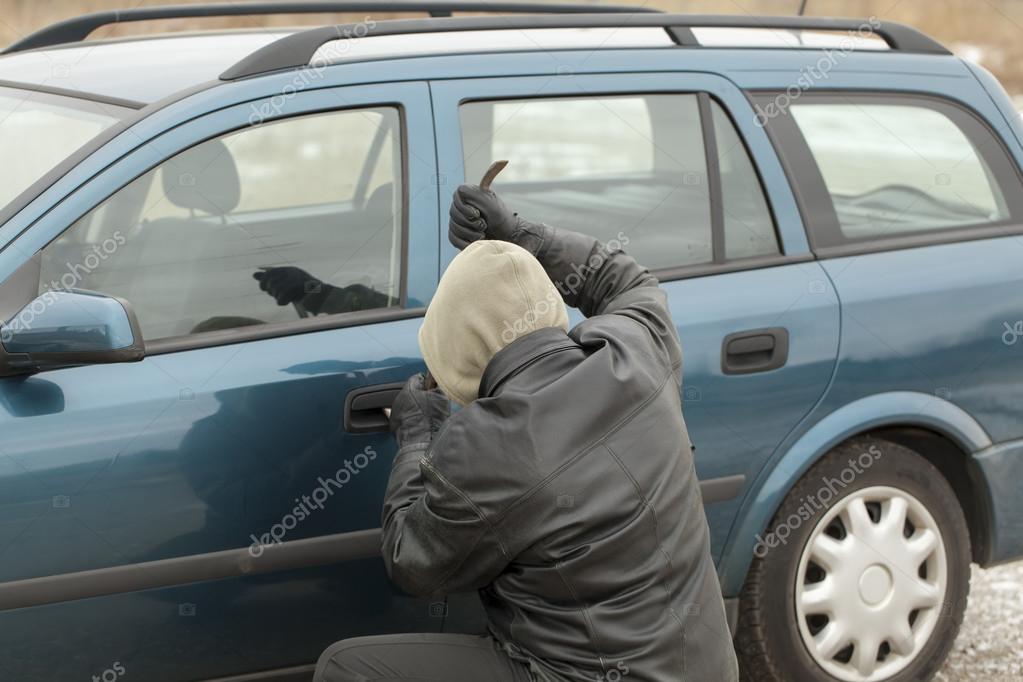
900, 167
626, 169
185, 242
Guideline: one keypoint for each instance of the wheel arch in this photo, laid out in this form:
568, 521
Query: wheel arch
947, 434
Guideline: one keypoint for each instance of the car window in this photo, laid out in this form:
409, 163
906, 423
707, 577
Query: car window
749, 225
40, 130
897, 168
630, 170
271, 223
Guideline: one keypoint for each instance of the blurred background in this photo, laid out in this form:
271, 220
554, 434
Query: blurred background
985, 31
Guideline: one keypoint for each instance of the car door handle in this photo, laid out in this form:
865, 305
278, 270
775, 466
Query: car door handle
755, 350
367, 409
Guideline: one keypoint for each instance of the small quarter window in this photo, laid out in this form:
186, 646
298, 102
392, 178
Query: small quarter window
749, 228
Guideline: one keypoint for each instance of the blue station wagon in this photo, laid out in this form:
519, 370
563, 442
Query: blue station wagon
191, 474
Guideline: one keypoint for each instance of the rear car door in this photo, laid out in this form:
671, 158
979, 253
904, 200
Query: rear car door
251, 427
672, 168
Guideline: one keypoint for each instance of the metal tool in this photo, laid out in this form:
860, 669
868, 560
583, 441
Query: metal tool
488, 177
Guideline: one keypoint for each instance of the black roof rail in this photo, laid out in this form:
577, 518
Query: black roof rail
77, 29
297, 50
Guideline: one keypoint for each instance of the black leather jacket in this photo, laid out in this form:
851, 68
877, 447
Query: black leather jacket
566, 492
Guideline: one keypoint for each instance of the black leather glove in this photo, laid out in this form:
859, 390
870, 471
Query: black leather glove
417, 413
287, 284
480, 214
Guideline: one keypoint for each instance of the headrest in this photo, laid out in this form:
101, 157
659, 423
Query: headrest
204, 178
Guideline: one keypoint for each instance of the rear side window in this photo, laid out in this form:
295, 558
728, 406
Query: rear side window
630, 170
901, 166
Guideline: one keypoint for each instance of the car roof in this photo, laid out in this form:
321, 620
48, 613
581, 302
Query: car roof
140, 70
147, 69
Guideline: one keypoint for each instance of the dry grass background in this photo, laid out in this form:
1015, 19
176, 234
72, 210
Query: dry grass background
988, 31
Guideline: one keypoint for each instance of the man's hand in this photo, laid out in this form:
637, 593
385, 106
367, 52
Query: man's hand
287, 284
417, 412
479, 214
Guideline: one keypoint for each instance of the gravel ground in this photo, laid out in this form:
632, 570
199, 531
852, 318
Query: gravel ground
990, 644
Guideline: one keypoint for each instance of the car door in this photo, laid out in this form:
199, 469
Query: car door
672, 168
213, 509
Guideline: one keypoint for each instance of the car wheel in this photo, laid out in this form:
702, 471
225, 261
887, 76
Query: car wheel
862, 576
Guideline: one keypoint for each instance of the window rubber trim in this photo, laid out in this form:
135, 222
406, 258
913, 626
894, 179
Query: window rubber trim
712, 164
278, 330
74, 94
820, 218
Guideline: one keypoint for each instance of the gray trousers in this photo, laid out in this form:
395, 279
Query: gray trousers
420, 657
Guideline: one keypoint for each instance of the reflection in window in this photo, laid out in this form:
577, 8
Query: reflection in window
274, 222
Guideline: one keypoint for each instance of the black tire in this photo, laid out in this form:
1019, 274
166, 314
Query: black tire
768, 640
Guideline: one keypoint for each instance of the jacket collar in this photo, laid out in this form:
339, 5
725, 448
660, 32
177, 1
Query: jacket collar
519, 354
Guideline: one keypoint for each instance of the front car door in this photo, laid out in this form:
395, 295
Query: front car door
672, 168
231, 435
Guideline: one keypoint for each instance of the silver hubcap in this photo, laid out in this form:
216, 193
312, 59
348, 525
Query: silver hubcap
871, 582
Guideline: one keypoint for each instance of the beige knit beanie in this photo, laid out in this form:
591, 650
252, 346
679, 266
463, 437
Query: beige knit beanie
492, 293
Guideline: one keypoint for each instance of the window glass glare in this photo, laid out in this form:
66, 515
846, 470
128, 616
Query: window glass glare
749, 228
39, 130
898, 168
629, 170
626, 169
312, 200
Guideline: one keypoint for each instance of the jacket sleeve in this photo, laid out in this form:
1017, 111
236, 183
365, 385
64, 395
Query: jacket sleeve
600, 281
435, 539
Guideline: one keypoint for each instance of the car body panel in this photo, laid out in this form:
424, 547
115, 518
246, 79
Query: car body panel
814, 438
